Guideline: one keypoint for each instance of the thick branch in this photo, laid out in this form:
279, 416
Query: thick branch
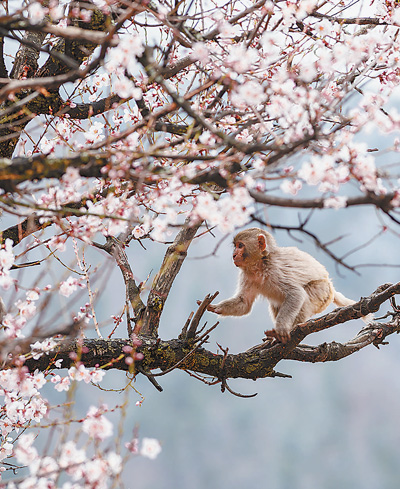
25, 64
258, 362
17, 170
76, 49
163, 281
380, 201
253, 364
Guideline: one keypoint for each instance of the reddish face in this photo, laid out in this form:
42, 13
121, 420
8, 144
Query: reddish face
239, 254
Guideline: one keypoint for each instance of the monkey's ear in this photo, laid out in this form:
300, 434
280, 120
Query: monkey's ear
262, 244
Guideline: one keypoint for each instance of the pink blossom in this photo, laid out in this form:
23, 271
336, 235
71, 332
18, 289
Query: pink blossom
272, 43
26, 308
69, 286
32, 295
314, 171
248, 93
97, 375
241, 58
64, 129
6, 449
138, 232
6, 255
131, 45
56, 10
291, 186
36, 12
150, 448
24, 452
71, 456
133, 446
114, 461
85, 14
101, 80
80, 373
125, 88
96, 425
63, 384
201, 52
94, 133
207, 138
395, 202
47, 146
13, 326
44, 467
336, 202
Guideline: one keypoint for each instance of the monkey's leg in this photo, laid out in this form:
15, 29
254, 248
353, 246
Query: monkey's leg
288, 312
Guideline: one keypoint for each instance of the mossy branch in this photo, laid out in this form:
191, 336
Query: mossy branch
38, 167
257, 362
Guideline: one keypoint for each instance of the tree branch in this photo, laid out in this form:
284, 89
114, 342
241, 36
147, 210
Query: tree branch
257, 362
172, 263
3, 69
38, 167
349, 20
115, 248
380, 201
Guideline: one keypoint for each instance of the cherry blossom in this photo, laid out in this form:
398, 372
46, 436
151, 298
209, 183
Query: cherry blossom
36, 12
94, 133
40, 347
291, 186
336, 202
201, 53
24, 452
69, 286
71, 457
63, 384
248, 93
80, 373
150, 448
125, 88
96, 425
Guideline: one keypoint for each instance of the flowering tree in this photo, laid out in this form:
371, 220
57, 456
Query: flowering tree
146, 121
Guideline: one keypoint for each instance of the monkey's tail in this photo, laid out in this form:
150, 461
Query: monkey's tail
340, 300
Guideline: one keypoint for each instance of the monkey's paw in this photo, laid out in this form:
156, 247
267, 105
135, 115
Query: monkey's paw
282, 336
210, 307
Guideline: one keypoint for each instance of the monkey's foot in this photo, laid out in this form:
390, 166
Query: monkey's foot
283, 337
268, 341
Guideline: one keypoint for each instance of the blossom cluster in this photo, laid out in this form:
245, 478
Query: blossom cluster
23, 404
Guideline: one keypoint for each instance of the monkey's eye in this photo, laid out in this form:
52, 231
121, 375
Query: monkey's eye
240, 245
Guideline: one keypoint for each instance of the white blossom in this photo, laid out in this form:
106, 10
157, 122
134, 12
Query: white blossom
36, 12
150, 448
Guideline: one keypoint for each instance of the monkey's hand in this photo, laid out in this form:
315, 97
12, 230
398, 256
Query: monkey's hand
213, 308
210, 307
282, 335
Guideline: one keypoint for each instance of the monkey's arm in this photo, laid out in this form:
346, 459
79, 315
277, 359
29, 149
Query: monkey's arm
239, 305
288, 312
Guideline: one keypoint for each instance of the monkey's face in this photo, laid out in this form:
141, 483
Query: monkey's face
250, 247
239, 254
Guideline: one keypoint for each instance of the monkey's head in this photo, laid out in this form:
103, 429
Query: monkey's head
251, 246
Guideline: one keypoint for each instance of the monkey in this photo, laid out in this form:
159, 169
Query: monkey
296, 285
